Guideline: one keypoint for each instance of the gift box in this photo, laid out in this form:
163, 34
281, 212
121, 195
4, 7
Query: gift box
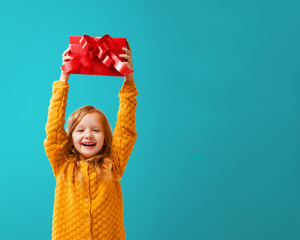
96, 56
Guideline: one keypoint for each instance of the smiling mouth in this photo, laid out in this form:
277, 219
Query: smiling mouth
88, 144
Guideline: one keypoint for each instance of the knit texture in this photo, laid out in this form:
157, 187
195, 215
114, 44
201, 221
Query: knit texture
94, 211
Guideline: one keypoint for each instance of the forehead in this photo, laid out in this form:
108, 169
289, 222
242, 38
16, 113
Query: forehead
93, 118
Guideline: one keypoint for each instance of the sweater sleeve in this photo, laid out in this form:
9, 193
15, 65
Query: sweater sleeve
56, 139
124, 132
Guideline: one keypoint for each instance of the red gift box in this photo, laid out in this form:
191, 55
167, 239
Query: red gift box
96, 56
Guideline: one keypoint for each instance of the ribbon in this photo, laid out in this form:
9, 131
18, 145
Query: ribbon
94, 49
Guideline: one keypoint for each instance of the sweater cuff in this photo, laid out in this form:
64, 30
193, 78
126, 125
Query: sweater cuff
60, 84
129, 83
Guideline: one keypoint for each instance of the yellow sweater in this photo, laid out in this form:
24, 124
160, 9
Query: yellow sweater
95, 211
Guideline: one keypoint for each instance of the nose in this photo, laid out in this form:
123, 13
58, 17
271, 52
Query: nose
88, 134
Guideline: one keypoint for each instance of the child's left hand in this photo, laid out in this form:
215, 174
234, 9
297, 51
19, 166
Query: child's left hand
128, 63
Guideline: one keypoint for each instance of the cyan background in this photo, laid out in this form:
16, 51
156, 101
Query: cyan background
217, 153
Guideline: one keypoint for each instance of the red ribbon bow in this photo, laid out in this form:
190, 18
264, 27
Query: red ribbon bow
93, 49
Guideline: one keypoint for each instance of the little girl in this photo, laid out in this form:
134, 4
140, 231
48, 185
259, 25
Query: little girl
88, 162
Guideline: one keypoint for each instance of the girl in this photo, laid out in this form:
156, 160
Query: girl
88, 162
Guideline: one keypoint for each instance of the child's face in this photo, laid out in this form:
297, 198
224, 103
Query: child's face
88, 135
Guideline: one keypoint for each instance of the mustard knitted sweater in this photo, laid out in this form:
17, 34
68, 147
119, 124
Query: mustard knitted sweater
94, 211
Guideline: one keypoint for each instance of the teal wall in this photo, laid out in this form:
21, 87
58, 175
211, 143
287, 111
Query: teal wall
217, 154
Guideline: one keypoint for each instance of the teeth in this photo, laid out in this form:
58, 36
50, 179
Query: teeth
88, 144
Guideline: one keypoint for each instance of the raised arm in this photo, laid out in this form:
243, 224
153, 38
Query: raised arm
124, 132
56, 140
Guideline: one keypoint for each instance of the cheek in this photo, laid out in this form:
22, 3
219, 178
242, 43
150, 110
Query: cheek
75, 138
100, 138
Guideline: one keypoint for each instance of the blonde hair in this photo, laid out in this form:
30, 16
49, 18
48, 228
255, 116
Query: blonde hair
100, 162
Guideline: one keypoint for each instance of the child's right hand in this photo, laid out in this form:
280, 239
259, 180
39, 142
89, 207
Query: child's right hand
64, 76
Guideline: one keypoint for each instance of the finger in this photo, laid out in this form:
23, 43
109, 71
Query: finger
126, 50
67, 58
66, 51
125, 56
128, 46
